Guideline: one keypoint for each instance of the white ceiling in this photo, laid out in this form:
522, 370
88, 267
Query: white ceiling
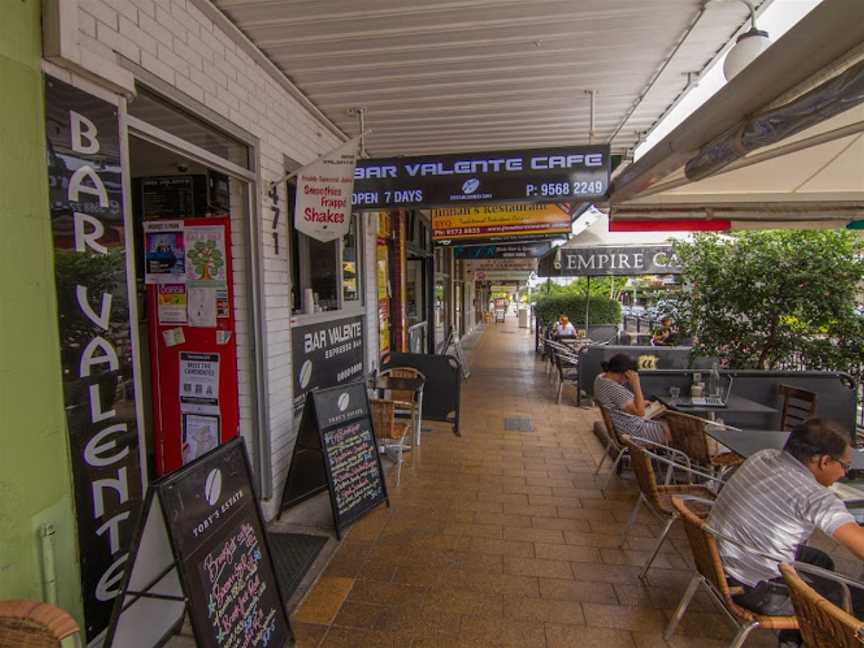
461, 75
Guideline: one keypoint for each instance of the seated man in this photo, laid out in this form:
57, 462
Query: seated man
773, 503
665, 335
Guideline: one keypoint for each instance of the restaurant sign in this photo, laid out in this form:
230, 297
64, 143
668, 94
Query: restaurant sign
86, 198
620, 261
499, 222
569, 174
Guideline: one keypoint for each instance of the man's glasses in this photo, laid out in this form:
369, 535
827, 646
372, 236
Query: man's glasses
846, 466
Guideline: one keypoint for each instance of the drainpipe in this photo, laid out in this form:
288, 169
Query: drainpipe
49, 573
592, 95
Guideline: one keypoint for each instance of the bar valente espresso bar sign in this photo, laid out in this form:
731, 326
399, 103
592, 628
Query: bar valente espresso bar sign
86, 197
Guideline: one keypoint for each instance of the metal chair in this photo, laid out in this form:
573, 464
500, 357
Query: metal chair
32, 624
712, 576
409, 404
798, 406
822, 623
391, 436
567, 369
657, 498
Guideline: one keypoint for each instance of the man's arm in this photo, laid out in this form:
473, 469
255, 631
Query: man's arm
851, 536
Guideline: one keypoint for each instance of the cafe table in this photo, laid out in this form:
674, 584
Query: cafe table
384, 384
734, 405
748, 442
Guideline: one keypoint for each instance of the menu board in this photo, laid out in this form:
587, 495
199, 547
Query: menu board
353, 459
336, 450
213, 518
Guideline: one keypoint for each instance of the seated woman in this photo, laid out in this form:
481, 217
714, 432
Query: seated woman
626, 406
665, 335
565, 327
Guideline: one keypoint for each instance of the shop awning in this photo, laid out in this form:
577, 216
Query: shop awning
782, 144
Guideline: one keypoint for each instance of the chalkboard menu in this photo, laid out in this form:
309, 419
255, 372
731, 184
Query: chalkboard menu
337, 450
212, 518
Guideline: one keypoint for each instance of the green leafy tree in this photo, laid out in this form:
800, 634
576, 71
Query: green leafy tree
206, 259
772, 298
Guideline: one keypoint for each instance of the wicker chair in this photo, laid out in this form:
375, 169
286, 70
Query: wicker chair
688, 435
409, 405
613, 443
655, 497
391, 436
823, 624
798, 406
712, 576
31, 624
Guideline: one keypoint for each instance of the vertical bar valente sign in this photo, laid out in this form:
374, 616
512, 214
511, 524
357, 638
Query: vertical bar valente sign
86, 198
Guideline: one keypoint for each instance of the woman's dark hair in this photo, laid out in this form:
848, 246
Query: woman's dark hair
619, 364
816, 437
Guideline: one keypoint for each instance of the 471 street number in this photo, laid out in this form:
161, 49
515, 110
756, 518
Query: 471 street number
595, 187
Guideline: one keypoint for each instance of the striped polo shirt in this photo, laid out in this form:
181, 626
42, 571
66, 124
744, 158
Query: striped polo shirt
772, 503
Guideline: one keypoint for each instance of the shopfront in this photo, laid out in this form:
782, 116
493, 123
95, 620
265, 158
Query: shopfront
190, 310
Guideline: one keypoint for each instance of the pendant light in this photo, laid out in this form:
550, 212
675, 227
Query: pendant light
748, 46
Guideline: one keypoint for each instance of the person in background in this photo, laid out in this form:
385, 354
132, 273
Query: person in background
773, 503
618, 390
665, 335
565, 327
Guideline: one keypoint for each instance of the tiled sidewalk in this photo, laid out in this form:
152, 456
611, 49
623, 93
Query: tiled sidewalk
503, 538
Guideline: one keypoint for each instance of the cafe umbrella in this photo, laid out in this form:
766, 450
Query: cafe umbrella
596, 251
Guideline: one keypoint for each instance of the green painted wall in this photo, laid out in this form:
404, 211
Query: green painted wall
35, 472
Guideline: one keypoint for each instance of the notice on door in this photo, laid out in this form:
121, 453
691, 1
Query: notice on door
199, 383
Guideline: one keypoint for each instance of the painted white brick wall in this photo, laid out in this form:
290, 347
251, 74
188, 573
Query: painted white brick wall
178, 43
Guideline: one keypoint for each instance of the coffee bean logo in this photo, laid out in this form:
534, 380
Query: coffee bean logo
213, 486
305, 374
343, 401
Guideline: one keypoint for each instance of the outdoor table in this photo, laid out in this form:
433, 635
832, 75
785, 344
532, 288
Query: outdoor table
734, 405
748, 442
394, 383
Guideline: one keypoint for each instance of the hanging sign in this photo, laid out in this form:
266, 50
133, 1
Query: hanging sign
500, 222
323, 204
567, 174
620, 261
86, 198
502, 251
336, 450
326, 354
202, 549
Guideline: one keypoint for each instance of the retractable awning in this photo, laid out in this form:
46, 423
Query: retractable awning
782, 144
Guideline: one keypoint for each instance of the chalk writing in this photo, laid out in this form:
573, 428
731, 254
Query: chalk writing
240, 606
354, 467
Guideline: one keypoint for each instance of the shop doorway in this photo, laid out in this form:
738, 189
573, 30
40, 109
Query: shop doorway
189, 222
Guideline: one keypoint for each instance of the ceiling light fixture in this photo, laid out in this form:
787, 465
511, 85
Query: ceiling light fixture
748, 46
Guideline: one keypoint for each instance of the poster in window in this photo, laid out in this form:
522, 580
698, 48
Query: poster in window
199, 383
164, 253
202, 306
205, 255
200, 435
171, 303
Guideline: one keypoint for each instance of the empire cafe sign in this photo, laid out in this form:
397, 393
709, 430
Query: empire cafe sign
599, 261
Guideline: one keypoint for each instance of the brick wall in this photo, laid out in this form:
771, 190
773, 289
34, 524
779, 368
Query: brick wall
179, 43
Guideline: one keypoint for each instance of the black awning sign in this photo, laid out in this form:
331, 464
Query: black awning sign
536, 175
600, 261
